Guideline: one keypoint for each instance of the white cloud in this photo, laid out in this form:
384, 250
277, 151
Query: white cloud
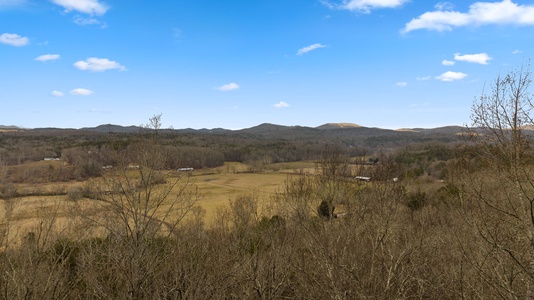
96, 64
423, 78
86, 21
228, 87
281, 104
309, 48
47, 57
81, 92
365, 6
480, 13
57, 94
480, 58
401, 84
517, 51
448, 62
90, 7
14, 39
451, 76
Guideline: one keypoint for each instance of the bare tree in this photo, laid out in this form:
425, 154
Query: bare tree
140, 210
503, 184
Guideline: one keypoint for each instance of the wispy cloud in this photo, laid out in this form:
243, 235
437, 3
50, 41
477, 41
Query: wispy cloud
281, 104
448, 62
424, 78
310, 48
87, 21
401, 84
12, 3
81, 92
90, 7
444, 6
451, 76
57, 94
517, 51
480, 13
47, 57
364, 6
96, 64
228, 87
480, 58
14, 39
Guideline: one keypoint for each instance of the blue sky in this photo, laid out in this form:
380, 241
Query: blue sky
239, 63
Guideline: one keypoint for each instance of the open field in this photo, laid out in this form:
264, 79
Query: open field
216, 188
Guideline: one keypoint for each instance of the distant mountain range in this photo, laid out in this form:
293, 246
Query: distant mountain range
265, 128
346, 133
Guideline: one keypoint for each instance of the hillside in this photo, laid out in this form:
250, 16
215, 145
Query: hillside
9, 128
338, 126
344, 133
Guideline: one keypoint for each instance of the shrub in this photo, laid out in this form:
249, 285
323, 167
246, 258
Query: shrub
8, 191
75, 192
416, 200
325, 210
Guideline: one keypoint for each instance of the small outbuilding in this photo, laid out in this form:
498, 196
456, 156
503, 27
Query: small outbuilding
362, 178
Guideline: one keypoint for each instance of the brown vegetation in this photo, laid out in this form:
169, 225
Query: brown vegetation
437, 221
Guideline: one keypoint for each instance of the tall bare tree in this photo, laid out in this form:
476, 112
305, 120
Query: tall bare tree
502, 185
140, 210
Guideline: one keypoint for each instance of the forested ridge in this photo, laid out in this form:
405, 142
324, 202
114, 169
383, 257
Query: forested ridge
281, 143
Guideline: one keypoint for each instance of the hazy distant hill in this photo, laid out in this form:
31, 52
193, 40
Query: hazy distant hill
203, 130
338, 126
353, 134
440, 130
113, 128
10, 127
270, 128
107, 128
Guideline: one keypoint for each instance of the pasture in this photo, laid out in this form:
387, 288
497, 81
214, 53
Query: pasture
42, 201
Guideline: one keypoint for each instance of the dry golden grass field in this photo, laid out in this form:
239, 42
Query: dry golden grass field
216, 188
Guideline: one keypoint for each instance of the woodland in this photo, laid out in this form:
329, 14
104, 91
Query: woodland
443, 213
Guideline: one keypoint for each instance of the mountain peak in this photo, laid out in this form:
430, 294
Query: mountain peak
9, 128
338, 126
